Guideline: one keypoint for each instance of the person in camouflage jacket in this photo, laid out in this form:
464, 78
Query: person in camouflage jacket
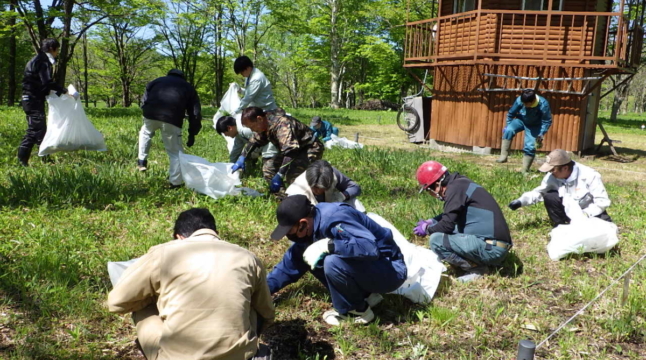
296, 142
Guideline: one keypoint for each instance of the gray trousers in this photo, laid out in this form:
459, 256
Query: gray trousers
466, 251
172, 139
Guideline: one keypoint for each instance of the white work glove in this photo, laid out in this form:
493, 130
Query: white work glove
315, 253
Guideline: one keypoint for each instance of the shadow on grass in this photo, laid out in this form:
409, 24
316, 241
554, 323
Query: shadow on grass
292, 340
626, 155
512, 266
60, 186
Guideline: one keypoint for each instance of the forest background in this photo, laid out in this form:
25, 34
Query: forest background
316, 53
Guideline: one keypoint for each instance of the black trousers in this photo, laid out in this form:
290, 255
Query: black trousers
556, 210
36, 121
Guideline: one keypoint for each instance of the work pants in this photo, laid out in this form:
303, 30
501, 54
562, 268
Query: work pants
531, 133
351, 281
34, 109
556, 211
300, 161
466, 251
150, 326
172, 139
270, 167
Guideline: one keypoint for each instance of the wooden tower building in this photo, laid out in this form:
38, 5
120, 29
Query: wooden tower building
484, 52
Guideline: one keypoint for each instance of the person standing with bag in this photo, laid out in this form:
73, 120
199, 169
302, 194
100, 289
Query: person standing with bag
37, 83
166, 100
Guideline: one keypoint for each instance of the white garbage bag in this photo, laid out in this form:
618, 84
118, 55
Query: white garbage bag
424, 267
342, 143
68, 128
116, 269
212, 179
582, 235
229, 103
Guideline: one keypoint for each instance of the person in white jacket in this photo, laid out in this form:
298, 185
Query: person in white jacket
257, 90
566, 177
322, 182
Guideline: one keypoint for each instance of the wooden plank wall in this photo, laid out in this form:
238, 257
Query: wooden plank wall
568, 5
523, 35
462, 115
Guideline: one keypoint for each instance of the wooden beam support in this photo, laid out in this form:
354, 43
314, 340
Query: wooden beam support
419, 80
616, 86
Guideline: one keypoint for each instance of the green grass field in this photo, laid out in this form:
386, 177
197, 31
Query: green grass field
61, 223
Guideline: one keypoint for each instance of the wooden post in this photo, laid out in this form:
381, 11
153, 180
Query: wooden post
620, 23
356, 137
548, 24
478, 19
624, 296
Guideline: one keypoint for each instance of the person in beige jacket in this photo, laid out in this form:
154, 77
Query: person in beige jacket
196, 297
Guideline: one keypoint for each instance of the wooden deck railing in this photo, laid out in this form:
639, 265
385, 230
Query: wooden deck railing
581, 39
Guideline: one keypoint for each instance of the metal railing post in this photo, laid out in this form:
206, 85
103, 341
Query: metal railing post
526, 349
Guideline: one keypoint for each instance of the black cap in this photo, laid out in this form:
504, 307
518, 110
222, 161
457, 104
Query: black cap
289, 213
176, 72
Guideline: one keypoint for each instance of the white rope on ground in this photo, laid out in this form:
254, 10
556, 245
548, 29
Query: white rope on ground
590, 303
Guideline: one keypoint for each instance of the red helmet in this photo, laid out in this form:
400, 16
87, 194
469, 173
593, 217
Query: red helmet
429, 172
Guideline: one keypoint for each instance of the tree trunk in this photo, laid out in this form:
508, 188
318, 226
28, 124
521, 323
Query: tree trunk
66, 52
621, 94
218, 58
335, 69
85, 74
11, 96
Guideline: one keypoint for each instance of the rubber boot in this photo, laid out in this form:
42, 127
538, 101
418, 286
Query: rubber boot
504, 151
23, 155
527, 163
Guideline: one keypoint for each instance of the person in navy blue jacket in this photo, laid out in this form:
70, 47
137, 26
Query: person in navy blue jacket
347, 251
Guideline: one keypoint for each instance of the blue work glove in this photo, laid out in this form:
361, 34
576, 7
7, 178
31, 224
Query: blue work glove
276, 183
420, 229
239, 165
315, 253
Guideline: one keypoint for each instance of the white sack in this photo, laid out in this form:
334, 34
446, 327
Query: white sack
212, 179
582, 235
342, 143
229, 103
424, 267
116, 269
68, 128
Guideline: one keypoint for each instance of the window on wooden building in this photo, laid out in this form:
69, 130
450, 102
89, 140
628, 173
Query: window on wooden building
460, 6
542, 4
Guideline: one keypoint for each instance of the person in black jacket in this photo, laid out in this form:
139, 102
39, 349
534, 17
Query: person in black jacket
37, 83
166, 100
471, 233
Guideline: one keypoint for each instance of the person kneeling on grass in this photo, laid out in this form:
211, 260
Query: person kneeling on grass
472, 233
322, 182
565, 176
197, 297
353, 256
323, 129
228, 126
296, 142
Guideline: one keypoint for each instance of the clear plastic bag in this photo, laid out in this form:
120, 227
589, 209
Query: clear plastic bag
582, 235
424, 267
117, 268
68, 128
212, 179
229, 103
342, 143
